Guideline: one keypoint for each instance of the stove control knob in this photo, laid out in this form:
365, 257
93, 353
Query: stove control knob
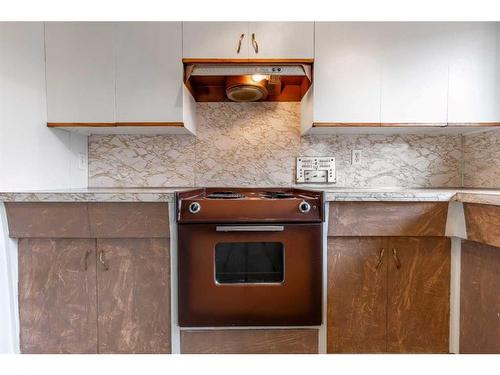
304, 207
194, 207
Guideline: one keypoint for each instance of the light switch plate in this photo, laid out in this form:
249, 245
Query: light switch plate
316, 170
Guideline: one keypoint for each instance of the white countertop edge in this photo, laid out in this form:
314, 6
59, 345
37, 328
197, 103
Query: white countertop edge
486, 196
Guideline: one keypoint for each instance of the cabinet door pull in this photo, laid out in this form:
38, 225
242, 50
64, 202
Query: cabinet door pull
396, 258
86, 260
239, 43
380, 258
102, 261
255, 44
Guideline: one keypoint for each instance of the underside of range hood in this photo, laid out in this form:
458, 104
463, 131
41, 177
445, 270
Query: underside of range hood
248, 81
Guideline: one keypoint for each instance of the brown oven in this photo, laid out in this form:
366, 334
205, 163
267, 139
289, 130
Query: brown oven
250, 271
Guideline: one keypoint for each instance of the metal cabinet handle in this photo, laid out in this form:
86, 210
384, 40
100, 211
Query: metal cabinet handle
102, 261
396, 258
380, 258
239, 43
86, 259
255, 44
249, 228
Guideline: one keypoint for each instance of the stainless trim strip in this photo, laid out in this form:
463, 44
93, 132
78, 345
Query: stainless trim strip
250, 228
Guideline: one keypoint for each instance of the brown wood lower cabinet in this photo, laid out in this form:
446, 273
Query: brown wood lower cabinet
388, 294
418, 304
57, 296
357, 295
94, 296
250, 341
480, 298
134, 296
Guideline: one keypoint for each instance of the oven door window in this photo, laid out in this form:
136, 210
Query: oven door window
249, 262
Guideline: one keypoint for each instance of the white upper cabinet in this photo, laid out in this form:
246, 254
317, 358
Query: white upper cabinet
248, 40
414, 72
80, 72
217, 40
122, 72
347, 72
149, 71
474, 94
281, 40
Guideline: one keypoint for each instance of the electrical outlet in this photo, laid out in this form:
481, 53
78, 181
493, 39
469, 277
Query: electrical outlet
82, 162
356, 157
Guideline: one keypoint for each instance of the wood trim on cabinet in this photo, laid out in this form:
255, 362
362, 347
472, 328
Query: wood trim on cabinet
387, 218
171, 124
345, 124
250, 341
403, 124
483, 223
251, 61
110, 124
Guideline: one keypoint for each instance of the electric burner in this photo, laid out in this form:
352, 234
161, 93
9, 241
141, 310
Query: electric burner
276, 195
225, 195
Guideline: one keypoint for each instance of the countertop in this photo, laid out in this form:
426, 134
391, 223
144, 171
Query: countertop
485, 196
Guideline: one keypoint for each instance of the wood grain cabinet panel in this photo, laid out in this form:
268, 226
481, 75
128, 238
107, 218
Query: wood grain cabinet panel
483, 223
47, 220
480, 298
357, 295
387, 218
133, 277
388, 301
418, 295
129, 220
57, 296
250, 341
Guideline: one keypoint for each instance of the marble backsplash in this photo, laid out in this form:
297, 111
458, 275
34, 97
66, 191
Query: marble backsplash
255, 144
481, 168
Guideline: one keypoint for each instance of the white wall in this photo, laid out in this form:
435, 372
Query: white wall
31, 155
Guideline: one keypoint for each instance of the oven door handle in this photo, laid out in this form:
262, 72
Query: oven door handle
249, 228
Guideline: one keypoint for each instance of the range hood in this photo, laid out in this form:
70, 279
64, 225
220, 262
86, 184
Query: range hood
276, 81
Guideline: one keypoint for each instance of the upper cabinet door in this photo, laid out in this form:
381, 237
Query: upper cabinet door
415, 72
281, 40
80, 72
216, 40
148, 71
347, 72
475, 73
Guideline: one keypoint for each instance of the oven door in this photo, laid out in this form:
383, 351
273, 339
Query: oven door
250, 275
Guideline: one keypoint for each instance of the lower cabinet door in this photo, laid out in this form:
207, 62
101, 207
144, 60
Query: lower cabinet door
418, 295
480, 298
57, 296
133, 278
357, 295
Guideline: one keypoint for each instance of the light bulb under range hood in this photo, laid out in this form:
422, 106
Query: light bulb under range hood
258, 77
